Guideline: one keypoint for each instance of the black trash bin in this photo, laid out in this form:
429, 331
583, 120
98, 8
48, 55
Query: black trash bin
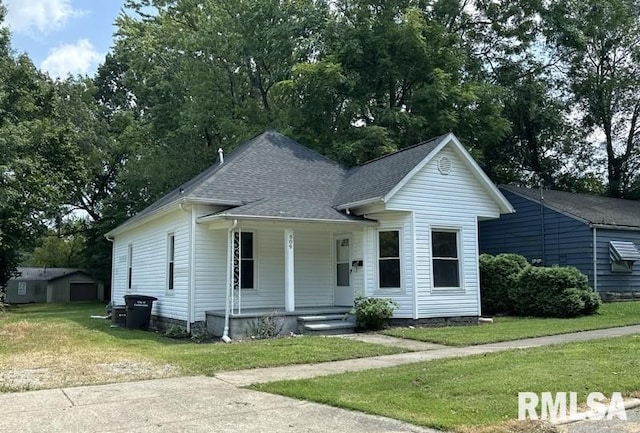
138, 311
119, 316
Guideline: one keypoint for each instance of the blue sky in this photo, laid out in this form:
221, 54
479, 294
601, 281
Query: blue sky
63, 36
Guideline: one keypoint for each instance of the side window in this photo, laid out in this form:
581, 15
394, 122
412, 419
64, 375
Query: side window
446, 264
171, 255
389, 259
129, 267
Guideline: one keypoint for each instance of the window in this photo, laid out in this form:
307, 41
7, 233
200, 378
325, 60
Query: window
389, 259
129, 267
343, 278
247, 261
446, 264
623, 254
171, 254
22, 288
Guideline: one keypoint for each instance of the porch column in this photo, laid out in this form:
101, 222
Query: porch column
289, 289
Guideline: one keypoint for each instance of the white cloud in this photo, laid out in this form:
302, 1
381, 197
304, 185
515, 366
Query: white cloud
43, 16
78, 58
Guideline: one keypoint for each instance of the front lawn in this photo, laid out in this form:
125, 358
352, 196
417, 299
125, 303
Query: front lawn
52, 345
465, 394
514, 328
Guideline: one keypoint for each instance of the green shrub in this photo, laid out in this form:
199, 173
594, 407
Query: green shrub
176, 331
373, 313
553, 292
498, 276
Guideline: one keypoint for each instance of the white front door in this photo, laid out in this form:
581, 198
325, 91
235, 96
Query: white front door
343, 292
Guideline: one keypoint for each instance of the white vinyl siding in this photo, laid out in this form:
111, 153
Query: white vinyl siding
149, 263
210, 270
438, 201
357, 254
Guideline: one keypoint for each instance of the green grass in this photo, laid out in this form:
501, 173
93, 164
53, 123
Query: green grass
476, 391
65, 337
513, 328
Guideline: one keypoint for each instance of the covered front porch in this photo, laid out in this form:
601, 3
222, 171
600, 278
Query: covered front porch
303, 320
287, 270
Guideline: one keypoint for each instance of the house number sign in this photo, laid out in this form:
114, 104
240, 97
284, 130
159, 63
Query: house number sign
290, 242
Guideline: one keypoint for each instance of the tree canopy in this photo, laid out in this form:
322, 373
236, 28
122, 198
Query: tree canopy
541, 93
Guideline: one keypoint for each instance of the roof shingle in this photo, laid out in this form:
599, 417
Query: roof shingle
591, 208
274, 176
376, 178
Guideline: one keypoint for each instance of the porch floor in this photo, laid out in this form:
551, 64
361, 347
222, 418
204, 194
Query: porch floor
301, 311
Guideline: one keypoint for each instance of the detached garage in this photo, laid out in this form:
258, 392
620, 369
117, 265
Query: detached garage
53, 285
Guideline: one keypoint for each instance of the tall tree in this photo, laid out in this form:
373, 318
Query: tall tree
30, 140
599, 40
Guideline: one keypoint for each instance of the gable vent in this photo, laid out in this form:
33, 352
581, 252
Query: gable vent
444, 165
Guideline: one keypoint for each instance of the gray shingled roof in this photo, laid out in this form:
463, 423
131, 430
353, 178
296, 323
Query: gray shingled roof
44, 274
376, 178
591, 208
273, 176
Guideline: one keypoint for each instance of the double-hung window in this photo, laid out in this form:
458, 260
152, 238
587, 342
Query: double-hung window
446, 263
389, 259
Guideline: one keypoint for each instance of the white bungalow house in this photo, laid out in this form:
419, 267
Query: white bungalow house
275, 226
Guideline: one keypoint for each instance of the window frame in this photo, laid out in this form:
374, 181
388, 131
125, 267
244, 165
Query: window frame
252, 259
171, 263
458, 232
400, 259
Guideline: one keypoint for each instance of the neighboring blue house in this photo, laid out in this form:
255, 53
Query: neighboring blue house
555, 228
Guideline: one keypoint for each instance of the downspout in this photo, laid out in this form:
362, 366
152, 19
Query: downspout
227, 304
543, 257
595, 261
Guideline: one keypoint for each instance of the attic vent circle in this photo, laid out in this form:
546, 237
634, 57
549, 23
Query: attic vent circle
444, 165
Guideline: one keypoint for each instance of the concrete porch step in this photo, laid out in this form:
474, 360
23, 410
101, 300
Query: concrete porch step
328, 327
324, 318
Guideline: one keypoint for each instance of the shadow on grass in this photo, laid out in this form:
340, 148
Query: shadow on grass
80, 313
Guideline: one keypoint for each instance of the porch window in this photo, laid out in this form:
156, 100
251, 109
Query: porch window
247, 261
389, 259
446, 263
129, 266
171, 251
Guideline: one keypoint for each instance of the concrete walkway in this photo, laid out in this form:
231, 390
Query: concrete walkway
305, 371
184, 404
205, 404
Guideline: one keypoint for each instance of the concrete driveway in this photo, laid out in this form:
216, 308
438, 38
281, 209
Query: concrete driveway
186, 404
